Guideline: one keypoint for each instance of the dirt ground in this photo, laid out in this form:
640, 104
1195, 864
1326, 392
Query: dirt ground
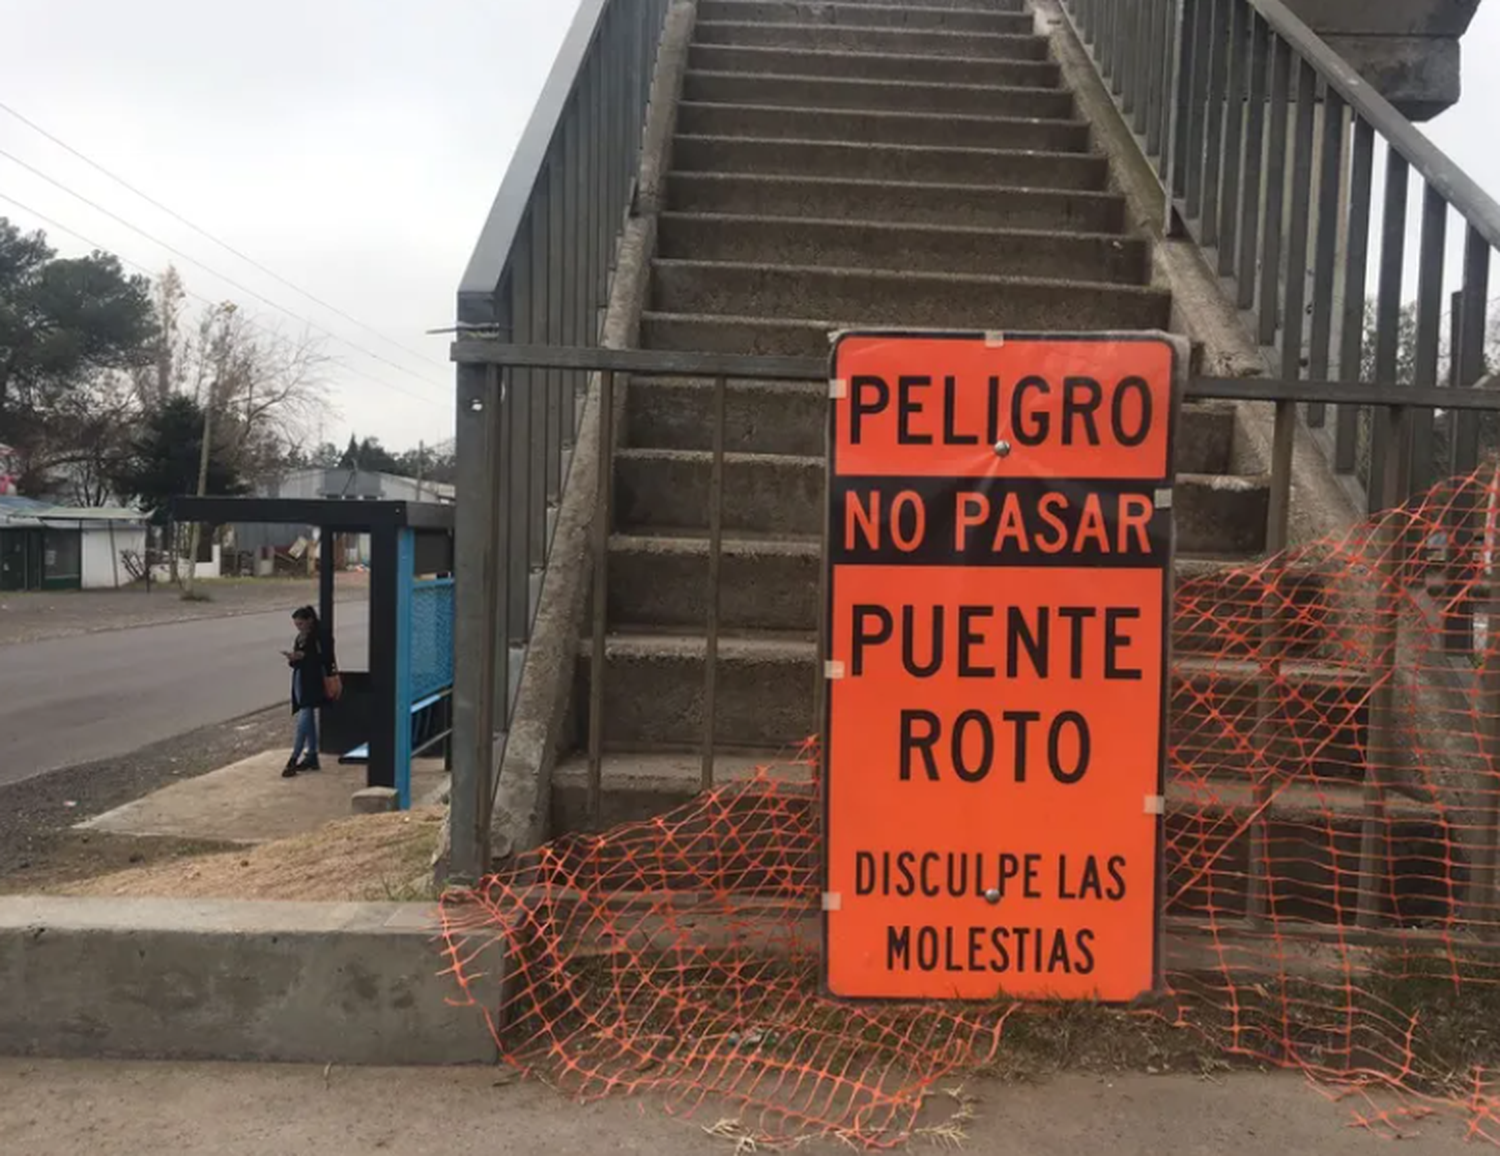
39, 851
61, 1108
36, 617
370, 857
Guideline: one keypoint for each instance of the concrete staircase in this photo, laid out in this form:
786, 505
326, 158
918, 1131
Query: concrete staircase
839, 164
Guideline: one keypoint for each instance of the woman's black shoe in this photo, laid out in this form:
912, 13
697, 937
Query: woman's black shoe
290, 770
309, 765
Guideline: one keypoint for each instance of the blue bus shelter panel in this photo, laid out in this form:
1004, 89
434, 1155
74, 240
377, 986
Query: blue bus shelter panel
431, 637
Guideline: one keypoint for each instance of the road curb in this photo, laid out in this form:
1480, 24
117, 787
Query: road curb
344, 983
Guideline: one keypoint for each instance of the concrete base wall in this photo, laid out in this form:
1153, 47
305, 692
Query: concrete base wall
352, 983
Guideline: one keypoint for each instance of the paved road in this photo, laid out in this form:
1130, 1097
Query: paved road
75, 700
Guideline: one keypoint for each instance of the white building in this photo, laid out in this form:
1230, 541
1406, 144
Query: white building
320, 484
48, 547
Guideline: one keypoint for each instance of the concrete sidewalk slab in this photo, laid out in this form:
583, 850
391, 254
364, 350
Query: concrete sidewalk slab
348, 983
249, 802
122, 1109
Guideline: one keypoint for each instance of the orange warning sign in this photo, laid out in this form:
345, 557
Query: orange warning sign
999, 552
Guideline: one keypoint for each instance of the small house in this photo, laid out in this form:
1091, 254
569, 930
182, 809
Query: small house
49, 547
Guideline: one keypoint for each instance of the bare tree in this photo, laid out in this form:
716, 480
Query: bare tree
159, 380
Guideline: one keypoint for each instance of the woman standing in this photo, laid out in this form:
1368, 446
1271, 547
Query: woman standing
314, 671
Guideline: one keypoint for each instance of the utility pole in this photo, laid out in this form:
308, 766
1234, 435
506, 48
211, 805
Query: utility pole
421, 466
195, 538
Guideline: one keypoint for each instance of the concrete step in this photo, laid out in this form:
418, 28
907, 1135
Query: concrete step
791, 417
876, 297
912, 203
853, 243
783, 122
770, 156
986, 5
1300, 612
869, 95
653, 693
760, 417
870, 38
767, 691
943, 70
1313, 829
766, 584
1313, 832
662, 491
976, 17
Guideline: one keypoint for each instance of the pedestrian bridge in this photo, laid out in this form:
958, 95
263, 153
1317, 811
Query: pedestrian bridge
709, 188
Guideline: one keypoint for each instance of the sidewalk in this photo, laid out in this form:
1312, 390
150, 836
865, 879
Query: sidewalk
121, 1109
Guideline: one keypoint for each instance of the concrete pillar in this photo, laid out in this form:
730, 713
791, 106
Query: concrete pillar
1407, 49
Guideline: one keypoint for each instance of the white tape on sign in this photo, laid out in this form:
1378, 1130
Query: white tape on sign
1164, 499
833, 669
838, 389
832, 901
994, 339
1156, 805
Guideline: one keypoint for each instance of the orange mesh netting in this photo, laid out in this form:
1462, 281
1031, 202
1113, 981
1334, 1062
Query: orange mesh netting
1330, 878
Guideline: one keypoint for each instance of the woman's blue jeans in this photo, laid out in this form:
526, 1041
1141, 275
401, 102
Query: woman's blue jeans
307, 734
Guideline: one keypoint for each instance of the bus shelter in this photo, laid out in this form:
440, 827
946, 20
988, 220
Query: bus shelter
402, 706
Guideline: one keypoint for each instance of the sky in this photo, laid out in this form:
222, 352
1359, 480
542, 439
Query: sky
350, 148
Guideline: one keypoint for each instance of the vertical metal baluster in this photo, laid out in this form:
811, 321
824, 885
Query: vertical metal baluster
1180, 78
715, 560
1485, 888
1387, 483
1269, 298
1388, 315
1325, 246
1429, 331
1159, 104
1117, 24
1296, 294
572, 265
588, 332
598, 651
1356, 265
1202, 34
1470, 353
547, 414
1466, 529
559, 433
476, 565
1104, 50
1136, 98
602, 212
1213, 143
1255, 120
519, 400
537, 449
1233, 198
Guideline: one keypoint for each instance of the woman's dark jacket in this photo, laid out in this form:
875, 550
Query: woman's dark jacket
314, 661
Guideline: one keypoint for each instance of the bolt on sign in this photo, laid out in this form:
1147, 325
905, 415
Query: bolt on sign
998, 593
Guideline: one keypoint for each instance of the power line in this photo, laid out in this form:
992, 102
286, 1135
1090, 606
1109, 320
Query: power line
225, 245
60, 227
214, 272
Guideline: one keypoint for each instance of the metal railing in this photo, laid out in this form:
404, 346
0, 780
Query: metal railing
615, 367
1267, 143
541, 272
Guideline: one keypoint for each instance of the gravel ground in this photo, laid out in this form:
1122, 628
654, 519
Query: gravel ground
38, 848
36, 617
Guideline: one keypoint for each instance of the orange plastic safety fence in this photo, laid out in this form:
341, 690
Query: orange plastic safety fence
1330, 877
